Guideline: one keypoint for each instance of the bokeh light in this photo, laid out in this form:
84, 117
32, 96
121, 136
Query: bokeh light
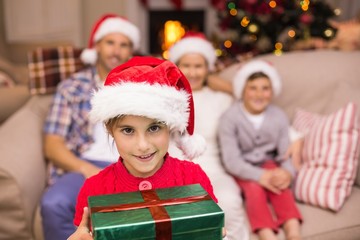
291, 33
272, 4
245, 21
253, 28
233, 12
227, 44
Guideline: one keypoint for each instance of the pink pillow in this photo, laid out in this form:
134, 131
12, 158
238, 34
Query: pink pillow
330, 155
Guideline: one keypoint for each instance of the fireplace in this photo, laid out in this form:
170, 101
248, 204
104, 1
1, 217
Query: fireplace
190, 20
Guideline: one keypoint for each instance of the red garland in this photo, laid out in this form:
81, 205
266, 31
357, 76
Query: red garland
178, 4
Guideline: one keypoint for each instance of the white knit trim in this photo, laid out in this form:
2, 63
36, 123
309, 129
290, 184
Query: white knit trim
193, 45
156, 101
252, 67
118, 25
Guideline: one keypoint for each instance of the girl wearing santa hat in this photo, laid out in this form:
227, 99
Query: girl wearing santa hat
195, 57
144, 104
254, 138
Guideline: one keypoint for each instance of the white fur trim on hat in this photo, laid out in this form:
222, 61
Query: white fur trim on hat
111, 25
119, 25
252, 67
160, 102
193, 45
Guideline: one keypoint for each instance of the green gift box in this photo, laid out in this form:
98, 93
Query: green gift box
185, 212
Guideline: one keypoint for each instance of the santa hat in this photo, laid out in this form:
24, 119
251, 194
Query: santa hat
153, 88
193, 43
249, 69
109, 23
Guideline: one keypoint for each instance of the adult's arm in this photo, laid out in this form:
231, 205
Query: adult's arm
58, 153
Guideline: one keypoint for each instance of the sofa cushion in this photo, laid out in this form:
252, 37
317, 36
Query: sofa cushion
47, 67
346, 91
330, 153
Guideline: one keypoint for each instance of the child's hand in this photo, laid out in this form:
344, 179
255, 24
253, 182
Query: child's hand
266, 180
281, 178
82, 232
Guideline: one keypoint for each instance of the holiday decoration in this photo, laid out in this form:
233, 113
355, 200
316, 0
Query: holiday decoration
185, 212
263, 26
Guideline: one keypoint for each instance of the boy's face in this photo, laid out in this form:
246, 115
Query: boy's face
142, 143
257, 95
195, 69
113, 49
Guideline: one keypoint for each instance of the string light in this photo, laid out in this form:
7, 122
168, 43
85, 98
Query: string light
328, 32
278, 49
253, 28
278, 46
228, 44
278, 52
218, 52
244, 21
272, 4
291, 33
231, 5
253, 37
233, 12
337, 11
305, 5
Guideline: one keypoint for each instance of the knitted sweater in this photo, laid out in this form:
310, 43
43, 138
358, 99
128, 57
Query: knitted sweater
116, 179
245, 148
209, 106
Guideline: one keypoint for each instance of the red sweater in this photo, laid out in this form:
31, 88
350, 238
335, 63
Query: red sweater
116, 179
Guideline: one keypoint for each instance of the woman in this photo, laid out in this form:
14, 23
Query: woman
195, 57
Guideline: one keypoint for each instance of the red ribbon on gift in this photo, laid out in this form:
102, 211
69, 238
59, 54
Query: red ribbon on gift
157, 209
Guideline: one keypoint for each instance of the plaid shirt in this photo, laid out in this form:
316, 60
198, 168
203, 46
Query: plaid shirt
68, 114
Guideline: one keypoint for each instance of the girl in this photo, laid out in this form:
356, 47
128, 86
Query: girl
254, 138
144, 103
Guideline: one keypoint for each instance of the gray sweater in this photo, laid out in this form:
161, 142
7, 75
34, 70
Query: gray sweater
244, 149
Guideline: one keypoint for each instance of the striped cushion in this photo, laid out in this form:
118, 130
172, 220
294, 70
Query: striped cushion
331, 148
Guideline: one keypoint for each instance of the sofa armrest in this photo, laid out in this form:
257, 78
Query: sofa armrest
12, 99
22, 168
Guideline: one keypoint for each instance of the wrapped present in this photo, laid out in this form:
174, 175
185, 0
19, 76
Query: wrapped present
185, 212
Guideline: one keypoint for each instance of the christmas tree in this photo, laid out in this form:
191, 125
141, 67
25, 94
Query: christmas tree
263, 26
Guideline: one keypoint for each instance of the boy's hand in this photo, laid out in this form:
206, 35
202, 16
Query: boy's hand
266, 181
281, 179
82, 232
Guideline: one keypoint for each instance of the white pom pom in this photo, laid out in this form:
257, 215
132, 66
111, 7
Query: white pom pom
89, 56
192, 146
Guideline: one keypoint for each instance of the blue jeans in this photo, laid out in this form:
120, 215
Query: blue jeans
58, 204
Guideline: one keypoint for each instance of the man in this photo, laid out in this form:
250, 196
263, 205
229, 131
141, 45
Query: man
77, 148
